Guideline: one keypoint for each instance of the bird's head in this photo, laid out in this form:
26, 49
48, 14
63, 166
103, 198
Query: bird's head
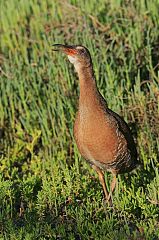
78, 55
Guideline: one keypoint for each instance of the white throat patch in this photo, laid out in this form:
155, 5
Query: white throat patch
74, 61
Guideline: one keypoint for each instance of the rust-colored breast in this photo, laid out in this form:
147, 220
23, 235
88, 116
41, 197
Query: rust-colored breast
102, 136
97, 137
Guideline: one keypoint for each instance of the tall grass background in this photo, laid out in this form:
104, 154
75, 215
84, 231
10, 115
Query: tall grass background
47, 191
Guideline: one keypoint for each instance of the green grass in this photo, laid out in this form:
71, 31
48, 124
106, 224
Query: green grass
47, 191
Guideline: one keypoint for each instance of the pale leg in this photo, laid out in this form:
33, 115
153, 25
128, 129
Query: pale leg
112, 187
102, 181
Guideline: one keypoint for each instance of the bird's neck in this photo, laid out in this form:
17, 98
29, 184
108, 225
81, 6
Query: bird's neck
87, 82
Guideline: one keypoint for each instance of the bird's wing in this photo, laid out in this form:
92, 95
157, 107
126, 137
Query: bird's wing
125, 130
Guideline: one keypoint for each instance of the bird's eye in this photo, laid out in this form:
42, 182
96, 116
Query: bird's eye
82, 51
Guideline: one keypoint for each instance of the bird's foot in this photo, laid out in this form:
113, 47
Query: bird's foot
108, 202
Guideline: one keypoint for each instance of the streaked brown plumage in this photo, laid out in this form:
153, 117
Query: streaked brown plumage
102, 136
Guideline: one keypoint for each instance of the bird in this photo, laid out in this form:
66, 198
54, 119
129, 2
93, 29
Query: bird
102, 136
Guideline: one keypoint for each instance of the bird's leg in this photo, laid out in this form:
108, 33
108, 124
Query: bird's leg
102, 180
112, 186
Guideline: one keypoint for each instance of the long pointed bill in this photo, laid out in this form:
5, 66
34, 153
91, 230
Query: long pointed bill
69, 50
